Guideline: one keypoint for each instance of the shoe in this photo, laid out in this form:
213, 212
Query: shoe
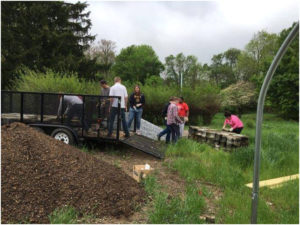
138, 132
158, 137
127, 135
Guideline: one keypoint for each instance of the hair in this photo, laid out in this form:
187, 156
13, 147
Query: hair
181, 98
138, 87
227, 114
173, 98
117, 79
103, 82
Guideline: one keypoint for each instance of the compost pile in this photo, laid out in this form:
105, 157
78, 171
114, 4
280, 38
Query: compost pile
40, 174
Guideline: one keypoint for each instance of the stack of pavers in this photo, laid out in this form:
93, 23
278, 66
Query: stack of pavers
226, 140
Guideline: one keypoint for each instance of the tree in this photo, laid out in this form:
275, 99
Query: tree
284, 88
137, 63
239, 97
180, 66
43, 35
104, 53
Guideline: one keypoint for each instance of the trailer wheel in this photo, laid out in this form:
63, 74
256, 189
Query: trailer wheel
63, 135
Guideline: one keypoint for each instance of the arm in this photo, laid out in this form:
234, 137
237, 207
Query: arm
175, 113
225, 122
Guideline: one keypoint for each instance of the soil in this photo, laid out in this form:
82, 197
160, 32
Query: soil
170, 181
40, 174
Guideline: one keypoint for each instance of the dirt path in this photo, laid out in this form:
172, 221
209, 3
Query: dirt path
171, 182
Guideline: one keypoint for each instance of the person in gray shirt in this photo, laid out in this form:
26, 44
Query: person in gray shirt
74, 108
105, 102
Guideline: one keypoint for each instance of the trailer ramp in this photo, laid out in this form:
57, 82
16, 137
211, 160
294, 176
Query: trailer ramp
147, 145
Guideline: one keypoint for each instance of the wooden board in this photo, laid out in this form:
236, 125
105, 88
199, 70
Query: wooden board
276, 182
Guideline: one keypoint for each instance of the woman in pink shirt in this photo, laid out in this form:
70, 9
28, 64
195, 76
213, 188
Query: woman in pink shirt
235, 123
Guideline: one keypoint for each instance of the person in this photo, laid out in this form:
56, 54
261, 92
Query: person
235, 123
118, 90
167, 130
74, 108
136, 102
183, 113
105, 102
173, 120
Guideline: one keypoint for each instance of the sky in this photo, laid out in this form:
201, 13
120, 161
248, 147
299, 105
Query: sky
200, 28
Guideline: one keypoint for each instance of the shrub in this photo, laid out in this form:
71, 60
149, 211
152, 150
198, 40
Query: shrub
239, 97
50, 81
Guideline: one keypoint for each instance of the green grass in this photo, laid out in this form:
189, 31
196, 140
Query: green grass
230, 171
174, 210
65, 215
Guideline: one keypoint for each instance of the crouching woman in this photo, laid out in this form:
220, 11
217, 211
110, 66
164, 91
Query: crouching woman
235, 123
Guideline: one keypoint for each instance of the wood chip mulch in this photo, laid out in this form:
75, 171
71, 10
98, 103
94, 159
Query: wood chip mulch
40, 174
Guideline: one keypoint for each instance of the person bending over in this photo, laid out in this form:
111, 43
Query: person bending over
235, 123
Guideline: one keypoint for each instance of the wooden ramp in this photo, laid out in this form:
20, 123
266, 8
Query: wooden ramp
145, 144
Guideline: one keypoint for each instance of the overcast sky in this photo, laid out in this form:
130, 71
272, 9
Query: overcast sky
200, 28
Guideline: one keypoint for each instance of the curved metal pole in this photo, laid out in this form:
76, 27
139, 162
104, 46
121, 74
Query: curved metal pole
259, 117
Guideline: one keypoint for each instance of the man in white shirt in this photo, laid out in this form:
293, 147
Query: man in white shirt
74, 108
118, 90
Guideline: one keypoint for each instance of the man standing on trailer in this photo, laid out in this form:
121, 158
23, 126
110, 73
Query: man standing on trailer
118, 90
74, 108
105, 102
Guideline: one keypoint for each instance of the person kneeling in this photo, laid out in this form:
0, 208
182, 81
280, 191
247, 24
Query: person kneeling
235, 123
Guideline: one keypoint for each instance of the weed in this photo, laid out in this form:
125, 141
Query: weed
65, 215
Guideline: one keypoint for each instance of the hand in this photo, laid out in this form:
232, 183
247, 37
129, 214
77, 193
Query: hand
186, 119
134, 107
138, 105
231, 129
125, 108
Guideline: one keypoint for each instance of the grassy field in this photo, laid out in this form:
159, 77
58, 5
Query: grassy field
199, 162
228, 172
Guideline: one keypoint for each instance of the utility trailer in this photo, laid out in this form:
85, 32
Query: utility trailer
39, 110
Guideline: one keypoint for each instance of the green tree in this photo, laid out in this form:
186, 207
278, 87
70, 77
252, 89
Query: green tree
183, 67
43, 35
137, 63
104, 53
284, 89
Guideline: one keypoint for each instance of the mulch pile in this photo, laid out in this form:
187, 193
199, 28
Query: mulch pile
40, 174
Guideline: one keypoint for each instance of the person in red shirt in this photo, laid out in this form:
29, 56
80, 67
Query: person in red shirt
183, 113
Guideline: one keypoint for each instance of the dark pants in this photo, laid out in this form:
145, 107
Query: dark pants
113, 113
76, 110
167, 131
104, 112
174, 132
238, 130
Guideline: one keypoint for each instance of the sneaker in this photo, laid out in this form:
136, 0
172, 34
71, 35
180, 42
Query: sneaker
138, 132
158, 137
127, 135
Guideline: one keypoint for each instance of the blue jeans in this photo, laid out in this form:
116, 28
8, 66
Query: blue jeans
137, 114
167, 131
175, 132
113, 113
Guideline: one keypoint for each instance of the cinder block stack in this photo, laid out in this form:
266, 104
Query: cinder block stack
226, 140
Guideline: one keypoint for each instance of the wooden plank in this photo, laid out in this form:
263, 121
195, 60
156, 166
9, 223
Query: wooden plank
276, 182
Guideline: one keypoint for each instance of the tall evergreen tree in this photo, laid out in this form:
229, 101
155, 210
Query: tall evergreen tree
43, 35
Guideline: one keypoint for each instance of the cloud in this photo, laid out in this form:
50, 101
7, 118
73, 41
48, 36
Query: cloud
202, 28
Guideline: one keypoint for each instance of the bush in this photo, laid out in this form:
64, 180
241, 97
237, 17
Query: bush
204, 101
50, 81
239, 97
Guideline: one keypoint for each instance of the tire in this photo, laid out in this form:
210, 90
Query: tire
63, 135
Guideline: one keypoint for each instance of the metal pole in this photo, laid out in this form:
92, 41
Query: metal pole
259, 117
